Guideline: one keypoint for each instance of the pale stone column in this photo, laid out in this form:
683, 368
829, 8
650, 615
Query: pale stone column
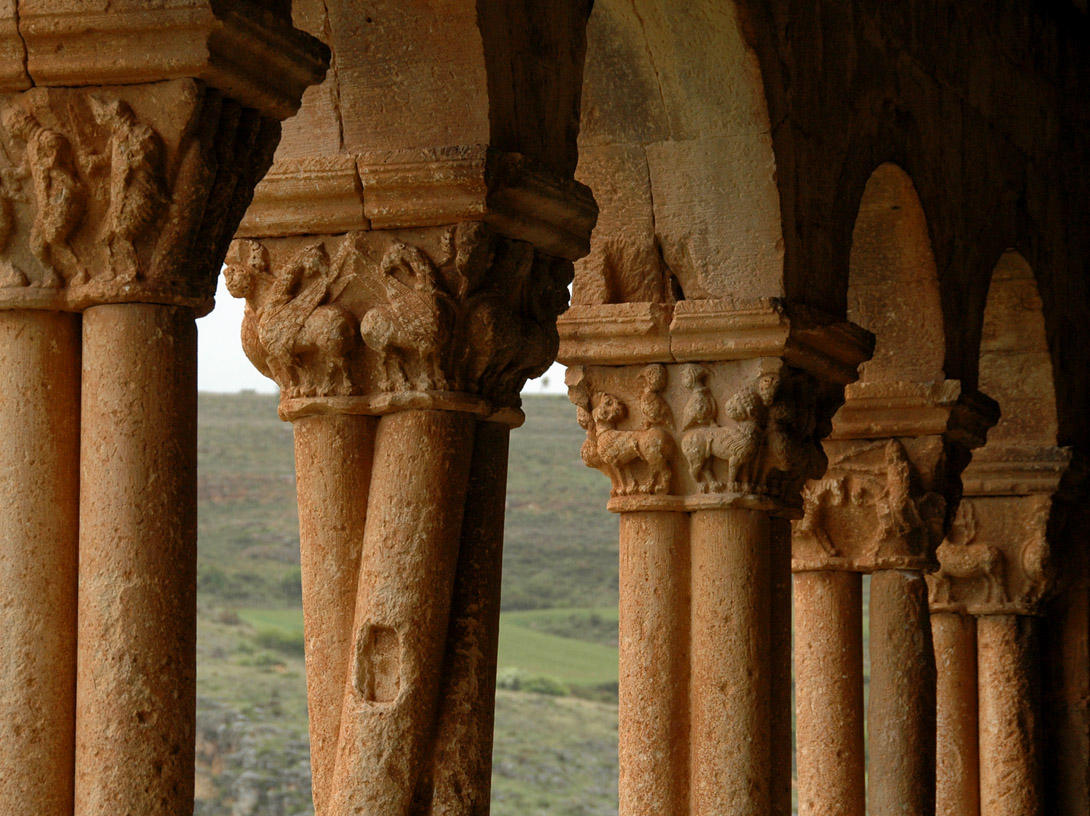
731, 685
880, 509
123, 178
136, 694
957, 783
901, 715
829, 671
653, 727
39, 522
333, 456
408, 349
995, 572
1010, 775
726, 441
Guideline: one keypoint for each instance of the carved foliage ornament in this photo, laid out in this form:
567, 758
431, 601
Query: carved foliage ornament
455, 310
662, 433
122, 194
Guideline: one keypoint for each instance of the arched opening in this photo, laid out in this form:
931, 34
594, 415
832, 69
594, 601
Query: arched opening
893, 288
675, 142
1015, 366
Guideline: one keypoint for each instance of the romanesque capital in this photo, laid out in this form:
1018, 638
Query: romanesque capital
125, 164
996, 559
123, 194
444, 318
895, 454
713, 405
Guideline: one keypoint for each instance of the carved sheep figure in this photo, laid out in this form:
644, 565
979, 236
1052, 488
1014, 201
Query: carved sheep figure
618, 450
412, 329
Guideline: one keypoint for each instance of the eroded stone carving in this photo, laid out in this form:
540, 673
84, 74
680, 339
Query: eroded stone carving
962, 558
113, 195
766, 445
996, 558
453, 310
868, 512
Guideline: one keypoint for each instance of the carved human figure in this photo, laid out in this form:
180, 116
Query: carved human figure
656, 411
619, 450
60, 198
412, 330
906, 524
137, 186
962, 558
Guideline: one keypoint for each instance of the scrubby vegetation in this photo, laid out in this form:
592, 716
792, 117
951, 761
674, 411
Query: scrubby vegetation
556, 719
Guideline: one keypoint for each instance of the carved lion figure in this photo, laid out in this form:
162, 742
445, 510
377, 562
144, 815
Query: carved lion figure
618, 450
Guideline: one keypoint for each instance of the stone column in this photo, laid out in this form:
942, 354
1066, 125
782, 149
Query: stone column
409, 348
39, 520
995, 574
829, 672
957, 772
880, 509
707, 423
125, 169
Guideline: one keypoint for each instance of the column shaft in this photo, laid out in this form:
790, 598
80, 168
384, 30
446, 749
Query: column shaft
1009, 770
39, 528
459, 773
957, 783
731, 693
136, 696
333, 476
829, 672
901, 717
783, 752
654, 664
407, 568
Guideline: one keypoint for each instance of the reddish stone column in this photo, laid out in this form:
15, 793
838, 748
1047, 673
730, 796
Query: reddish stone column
783, 744
730, 687
39, 523
333, 477
653, 715
829, 674
136, 695
957, 784
901, 714
402, 610
1010, 783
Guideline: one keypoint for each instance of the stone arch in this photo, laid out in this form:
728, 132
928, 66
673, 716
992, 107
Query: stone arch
509, 76
1015, 364
893, 284
676, 143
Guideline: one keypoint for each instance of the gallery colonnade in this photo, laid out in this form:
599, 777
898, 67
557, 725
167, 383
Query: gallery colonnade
828, 319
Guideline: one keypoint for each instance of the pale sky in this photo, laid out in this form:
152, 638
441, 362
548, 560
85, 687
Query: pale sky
222, 367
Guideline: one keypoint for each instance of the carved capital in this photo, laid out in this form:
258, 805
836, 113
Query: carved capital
448, 318
123, 194
876, 508
701, 436
996, 559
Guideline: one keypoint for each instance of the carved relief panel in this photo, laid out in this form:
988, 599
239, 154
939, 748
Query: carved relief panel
454, 317
996, 558
691, 435
122, 194
877, 507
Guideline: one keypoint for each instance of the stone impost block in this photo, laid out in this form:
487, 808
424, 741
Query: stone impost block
451, 318
245, 50
409, 189
713, 331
